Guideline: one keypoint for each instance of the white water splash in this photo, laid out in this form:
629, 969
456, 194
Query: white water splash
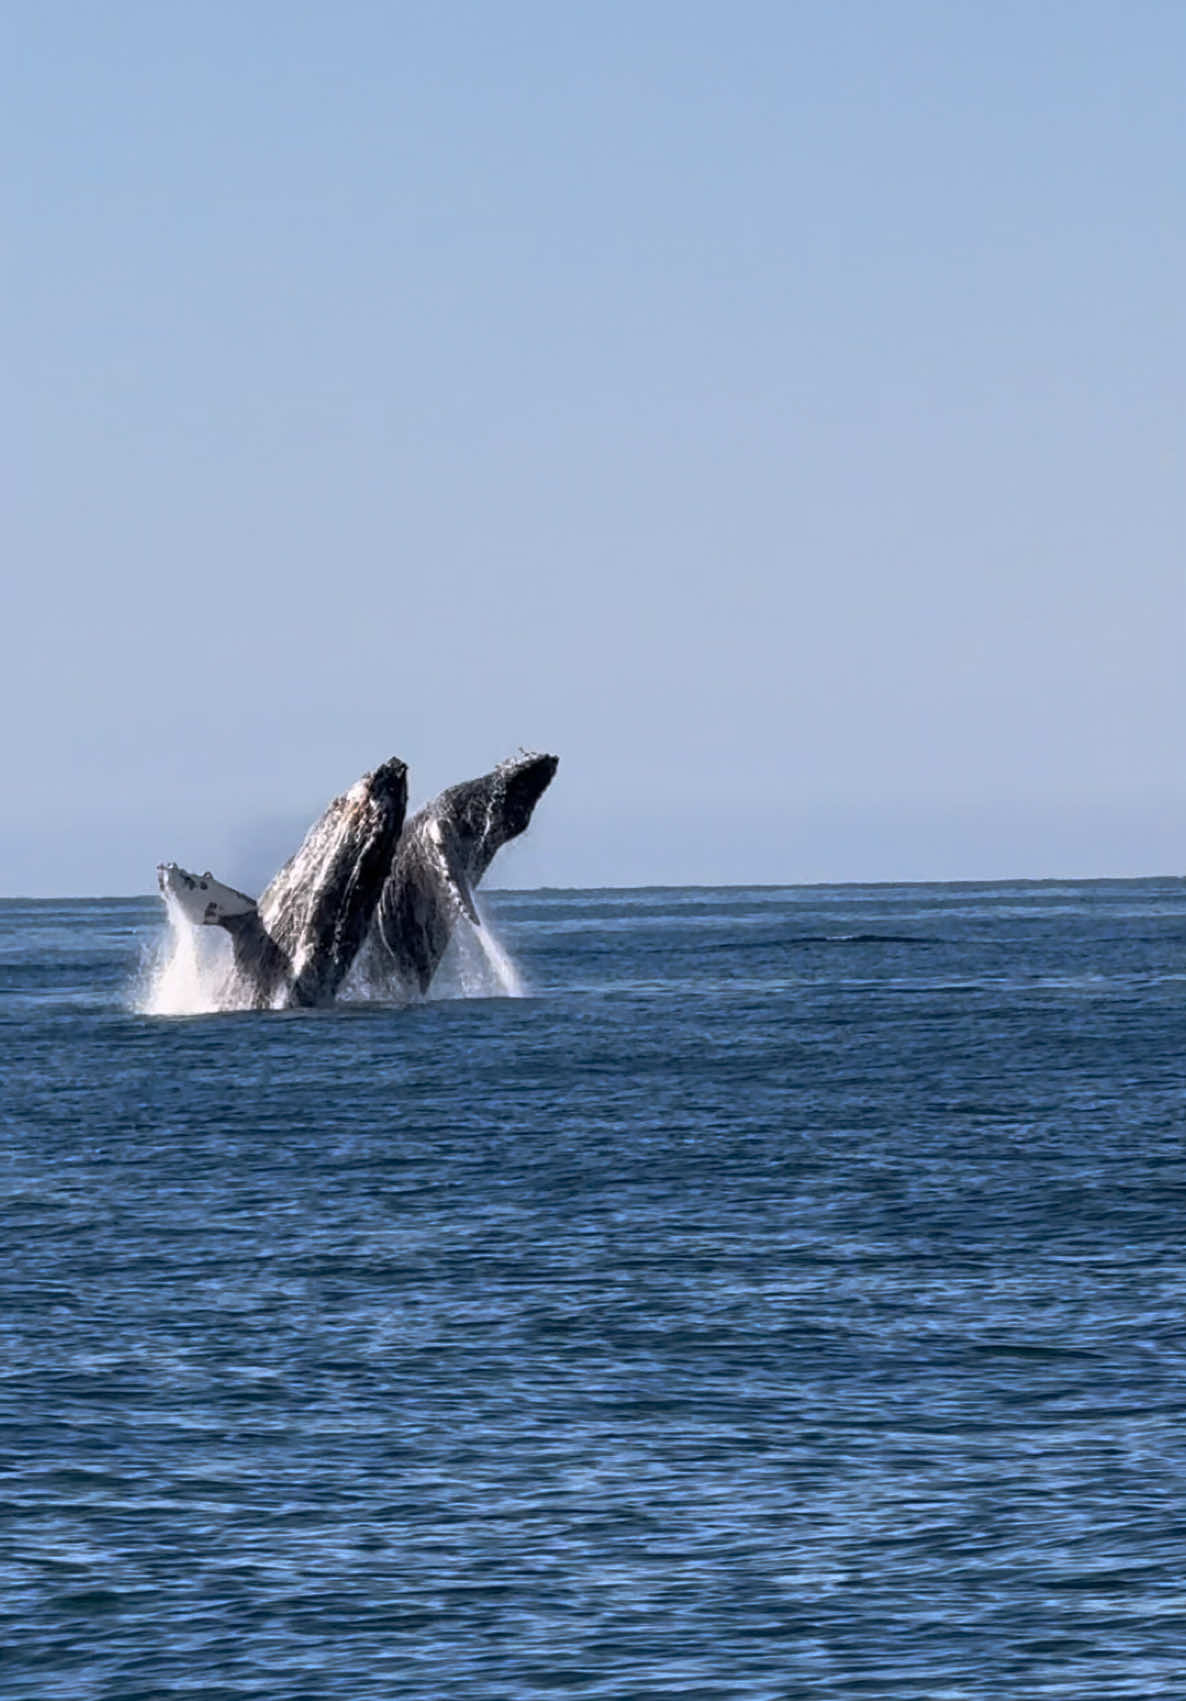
477, 965
187, 974
188, 971
508, 981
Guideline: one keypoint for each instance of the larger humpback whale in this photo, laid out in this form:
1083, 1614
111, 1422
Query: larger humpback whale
443, 853
298, 943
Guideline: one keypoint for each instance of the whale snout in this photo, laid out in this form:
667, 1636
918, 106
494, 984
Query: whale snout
389, 777
387, 787
525, 780
532, 770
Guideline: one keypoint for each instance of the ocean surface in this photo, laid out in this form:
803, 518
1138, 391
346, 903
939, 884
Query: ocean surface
785, 1297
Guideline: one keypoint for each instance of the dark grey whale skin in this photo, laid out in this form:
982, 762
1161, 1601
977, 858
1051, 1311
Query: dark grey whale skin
443, 853
299, 944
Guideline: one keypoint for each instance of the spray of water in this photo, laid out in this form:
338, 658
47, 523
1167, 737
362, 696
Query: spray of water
186, 974
508, 983
477, 964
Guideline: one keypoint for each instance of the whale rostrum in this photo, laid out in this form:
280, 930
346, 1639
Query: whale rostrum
360, 877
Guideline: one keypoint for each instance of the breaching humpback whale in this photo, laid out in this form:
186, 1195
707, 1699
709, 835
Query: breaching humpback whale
443, 853
297, 944
358, 878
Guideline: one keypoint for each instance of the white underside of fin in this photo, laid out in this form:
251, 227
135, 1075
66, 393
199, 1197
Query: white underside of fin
202, 900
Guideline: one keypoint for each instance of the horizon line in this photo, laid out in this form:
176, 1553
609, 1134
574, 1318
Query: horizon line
684, 886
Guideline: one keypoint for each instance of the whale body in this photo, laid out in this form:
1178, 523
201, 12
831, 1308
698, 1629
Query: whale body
296, 945
442, 855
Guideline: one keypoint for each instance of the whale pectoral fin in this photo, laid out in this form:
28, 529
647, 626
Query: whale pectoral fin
457, 879
203, 900
466, 899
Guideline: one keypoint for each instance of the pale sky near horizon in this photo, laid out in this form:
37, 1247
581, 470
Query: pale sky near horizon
775, 410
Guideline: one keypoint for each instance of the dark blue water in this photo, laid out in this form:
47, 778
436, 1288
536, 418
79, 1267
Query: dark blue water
787, 1299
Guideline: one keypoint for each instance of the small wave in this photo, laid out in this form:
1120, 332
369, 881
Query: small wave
809, 939
867, 939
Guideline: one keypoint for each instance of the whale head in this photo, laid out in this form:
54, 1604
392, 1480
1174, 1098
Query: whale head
522, 781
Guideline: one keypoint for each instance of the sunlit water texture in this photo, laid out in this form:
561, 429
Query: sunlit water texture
784, 1297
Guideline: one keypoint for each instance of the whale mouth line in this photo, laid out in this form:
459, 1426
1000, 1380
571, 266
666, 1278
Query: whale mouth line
367, 897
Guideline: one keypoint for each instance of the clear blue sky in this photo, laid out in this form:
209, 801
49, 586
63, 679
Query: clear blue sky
774, 409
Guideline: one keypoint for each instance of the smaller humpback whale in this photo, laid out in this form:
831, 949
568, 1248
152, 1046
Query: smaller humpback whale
443, 853
298, 943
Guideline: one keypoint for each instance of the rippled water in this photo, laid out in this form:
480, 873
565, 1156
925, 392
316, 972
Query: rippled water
786, 1298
